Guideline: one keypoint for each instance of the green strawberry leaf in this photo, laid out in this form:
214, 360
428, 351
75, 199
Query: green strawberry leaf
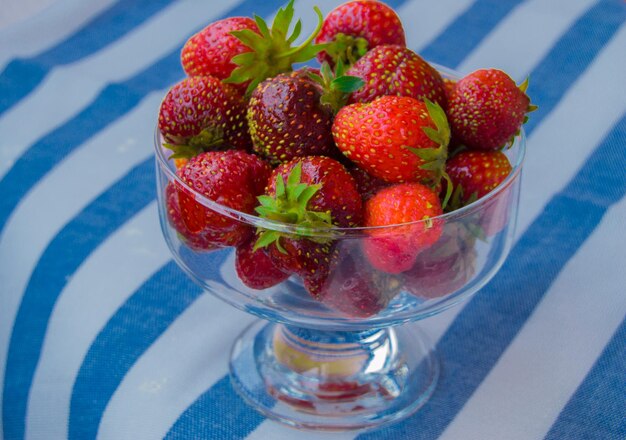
347, 84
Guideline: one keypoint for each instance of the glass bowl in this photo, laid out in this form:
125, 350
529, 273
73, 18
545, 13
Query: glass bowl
345, 360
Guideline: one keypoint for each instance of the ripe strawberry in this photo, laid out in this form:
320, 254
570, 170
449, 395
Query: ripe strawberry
200, 114
210, 51
355, 27
231, 178
195, 241
395, 138
356, 290
397, 70
445, 267
288, 120
476, 173
487, 109
255, 268
270, 53
366, 184
394, 249
310, 193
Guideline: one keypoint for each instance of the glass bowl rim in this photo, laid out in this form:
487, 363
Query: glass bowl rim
336, 231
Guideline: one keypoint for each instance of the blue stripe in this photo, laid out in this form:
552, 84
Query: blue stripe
22, 75
218, 414
598, 408
59, 261
485, 327
128, 334
467, 31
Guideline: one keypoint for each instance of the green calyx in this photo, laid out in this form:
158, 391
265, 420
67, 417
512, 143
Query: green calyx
347, 49
207, 140
289, 205
336, 86
272, 52
435, 158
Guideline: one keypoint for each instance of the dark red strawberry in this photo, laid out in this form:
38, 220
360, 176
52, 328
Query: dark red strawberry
233, 179
366, 184
476, 173
270, 53
210, 51
288, 120
355, 27
200, 114
445, 267
411, 205
487, 109
395, 138
356, 290
397, 70
310, 193
255, 268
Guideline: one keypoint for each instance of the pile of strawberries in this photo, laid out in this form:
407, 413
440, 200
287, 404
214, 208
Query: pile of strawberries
373, 137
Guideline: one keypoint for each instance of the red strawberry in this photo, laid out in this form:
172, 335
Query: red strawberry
487, 109
395, 138
356, 27
201, 113
445, 267
288, 120
311, 192
356, 290
366, 184
210, 51
397, 70
476, 173
394, 249
232, 179
255, 268
270, 53
197, 242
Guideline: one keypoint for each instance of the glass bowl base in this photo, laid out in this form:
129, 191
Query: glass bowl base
334, 380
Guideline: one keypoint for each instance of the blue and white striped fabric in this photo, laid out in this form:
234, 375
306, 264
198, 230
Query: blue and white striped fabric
102, 336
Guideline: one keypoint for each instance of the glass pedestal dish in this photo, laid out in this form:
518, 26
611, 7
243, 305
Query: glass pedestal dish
335, 363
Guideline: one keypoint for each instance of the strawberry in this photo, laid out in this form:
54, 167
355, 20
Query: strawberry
232, 179
353, 28
195, 241
394, 249
210, 51
269, 51
487, 109
395, 138
310, 193
288, 120
445, 267
396, 70
354, 289
476, 173
366, 184
255, 268
200, 114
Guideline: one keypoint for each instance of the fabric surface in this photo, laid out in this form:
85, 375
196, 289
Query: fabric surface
102, 335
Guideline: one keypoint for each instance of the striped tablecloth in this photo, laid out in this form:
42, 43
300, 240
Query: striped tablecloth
101, 335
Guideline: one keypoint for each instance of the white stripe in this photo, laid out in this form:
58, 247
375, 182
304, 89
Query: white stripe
522, 17
532, 381
54, 24
60, 196
190, 356
98, 288
52, 103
